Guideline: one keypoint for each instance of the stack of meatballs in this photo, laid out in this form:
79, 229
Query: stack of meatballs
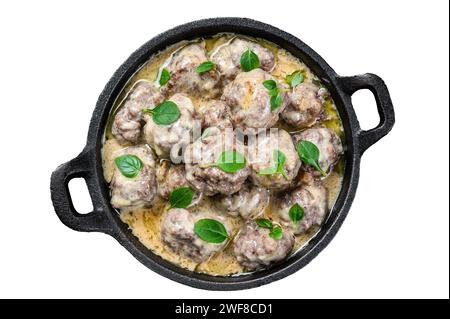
232, 100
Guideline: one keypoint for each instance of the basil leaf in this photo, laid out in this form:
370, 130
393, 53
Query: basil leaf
264, 223
181, 197
274, 92
128, 165
229, 161
164, 77
276, 233
205, 67
210, 230
249, 61
296, 213
309, 153
268, 171
295, 78
278, 168
270, 84
275, 98
279, 158
275, 101
164, 113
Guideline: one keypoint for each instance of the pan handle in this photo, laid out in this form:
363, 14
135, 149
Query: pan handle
372, 82
62, 201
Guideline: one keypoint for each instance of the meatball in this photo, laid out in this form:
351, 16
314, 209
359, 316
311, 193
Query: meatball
328, 143
227, 57
165, 139
305, 106
201, 172
183, 75
249, 101
215, 114
313, 200
254, 248
249, 202
127, 123
261, 157
170, 177
138, 191
177, 232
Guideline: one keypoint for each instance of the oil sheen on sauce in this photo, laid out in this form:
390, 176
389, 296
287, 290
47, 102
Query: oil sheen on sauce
145, 223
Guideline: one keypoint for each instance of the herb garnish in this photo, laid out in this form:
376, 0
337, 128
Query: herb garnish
205, 67
181, 197
210, 230
229, 161
249, 60
309, 153
296, 213
164, 113
276, 232
164, 77
278, 167
129, 165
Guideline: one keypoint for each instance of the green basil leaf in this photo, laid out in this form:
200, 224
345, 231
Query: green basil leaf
274, 92
164, 113
275, 101
278, 168
270, 84
230, 161
276, 233
205, 67
129, 165
295, 78
279, 158
181, 197
268, 171
249, 61
275, 98
264, 223
165, 77
309, 153
296, 213
210, 230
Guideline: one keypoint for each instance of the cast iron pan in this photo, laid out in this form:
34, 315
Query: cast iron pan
88, 164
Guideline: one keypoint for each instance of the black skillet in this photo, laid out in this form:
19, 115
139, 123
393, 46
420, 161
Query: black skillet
88, 164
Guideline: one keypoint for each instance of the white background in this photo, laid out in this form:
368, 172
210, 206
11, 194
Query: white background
55, 58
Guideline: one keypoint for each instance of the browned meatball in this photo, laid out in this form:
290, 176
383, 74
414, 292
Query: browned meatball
328, 143
305, 106
170, 177
227, 57
249, 101
215, 114
311, 198
128, 120
254, 248
166, 140
203, 175
183, 75
261, 157
177, 232
137, 191
249, 202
